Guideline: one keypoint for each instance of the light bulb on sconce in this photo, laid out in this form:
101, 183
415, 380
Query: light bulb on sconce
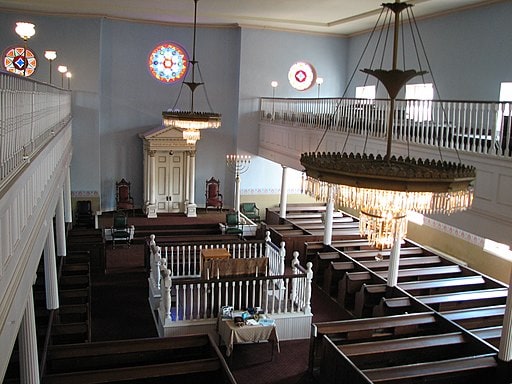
319, 82
50, 56
69, 75
25, 31
62, 69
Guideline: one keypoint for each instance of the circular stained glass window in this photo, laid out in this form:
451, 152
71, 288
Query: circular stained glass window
301, 76
168, 62
18, 61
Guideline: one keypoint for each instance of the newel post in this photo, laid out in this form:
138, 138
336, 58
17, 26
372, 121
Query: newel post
165, 303
295, 262
156, 269
282, 256
267, 242
309, 279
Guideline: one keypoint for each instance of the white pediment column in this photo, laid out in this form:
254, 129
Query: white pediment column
191, 206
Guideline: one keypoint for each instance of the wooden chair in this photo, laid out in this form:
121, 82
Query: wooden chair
84, 216
120, 230
124, 200
251, 211
233, 226
213, 196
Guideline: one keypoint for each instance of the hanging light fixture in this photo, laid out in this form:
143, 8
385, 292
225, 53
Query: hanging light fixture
384, 188
192, 121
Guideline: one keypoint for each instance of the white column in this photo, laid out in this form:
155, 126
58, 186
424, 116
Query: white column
60, 227
151, 203
27, 339
68, 209
284, 193
394, 261
187, 176
50, 271
505, 352
328, 219
145, 175
191, 208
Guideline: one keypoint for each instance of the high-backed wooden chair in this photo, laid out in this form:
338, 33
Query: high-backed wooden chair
251, 211
124, 200
84, 216
120, 230
213, 195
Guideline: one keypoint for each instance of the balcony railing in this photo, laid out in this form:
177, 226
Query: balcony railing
31, 113
473, 126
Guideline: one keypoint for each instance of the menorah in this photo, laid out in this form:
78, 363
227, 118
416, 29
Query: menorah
238, 164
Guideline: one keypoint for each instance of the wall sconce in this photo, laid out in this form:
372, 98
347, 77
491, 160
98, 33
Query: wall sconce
274, 85
319, 82
69, 75
62, 69
50, 56
25, 31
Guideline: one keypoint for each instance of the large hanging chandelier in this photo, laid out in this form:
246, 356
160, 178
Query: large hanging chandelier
191, 122
384, 188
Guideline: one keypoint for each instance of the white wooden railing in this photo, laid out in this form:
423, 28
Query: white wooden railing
31, 114
193, 298
473, 126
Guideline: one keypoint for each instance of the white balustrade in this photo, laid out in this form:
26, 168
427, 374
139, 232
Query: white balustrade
474, 126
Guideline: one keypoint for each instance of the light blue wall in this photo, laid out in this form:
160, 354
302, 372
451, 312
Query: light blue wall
266, 56
469, 52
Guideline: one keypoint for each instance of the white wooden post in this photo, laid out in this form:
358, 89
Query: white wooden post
505, 351
309, 279
295, 261
158, 260
165, 303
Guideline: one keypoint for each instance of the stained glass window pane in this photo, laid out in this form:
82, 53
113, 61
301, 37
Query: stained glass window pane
16, 60
168, 62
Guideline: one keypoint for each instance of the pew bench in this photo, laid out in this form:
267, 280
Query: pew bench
480, 368
373, 254
490, 334
333, 273
352, 282
446, 285
190, 358
320, 262
405, 261
424, 273
368, 329
477, 317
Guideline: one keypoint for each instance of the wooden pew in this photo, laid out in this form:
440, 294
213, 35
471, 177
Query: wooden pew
186, 358
320, 263
444, 302
471, 318
368, 329
481, 368
351, 283
415, 274
405, 261
334, 273
370, 254
490, 334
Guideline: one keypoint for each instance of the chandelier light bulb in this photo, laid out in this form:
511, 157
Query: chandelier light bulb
50, 55
25, 30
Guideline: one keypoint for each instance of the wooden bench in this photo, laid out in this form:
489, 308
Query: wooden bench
471, 318
444, 302
333, 273
480, 368
373, 254
490, 334
405, 261
446, 285
368, 329
196, 356
351, 283
425, 272
320, 262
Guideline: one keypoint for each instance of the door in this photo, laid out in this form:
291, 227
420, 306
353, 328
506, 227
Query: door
169, 182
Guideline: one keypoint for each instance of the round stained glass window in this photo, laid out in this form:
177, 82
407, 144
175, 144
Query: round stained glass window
302, 76
168, 62
18, 61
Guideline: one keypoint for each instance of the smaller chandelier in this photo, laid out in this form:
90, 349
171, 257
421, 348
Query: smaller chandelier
191, 121
191, 136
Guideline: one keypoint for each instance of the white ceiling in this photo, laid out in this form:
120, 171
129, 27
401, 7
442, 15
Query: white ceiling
343, 17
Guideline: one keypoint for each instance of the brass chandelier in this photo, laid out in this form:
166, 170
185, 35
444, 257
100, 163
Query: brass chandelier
191, 122
384, 188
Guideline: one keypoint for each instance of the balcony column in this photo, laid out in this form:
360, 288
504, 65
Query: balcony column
191, 207
284, 193
68, 209
505, 352
50, 271
328, 219
60, 227
27, 339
